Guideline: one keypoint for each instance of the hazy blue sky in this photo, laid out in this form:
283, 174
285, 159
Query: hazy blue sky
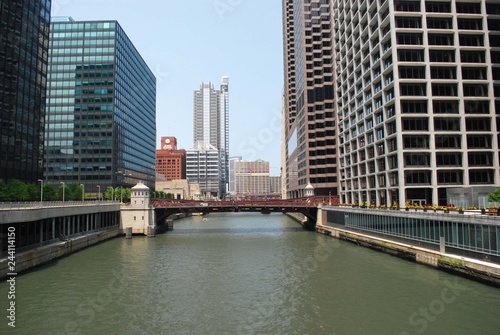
187, 42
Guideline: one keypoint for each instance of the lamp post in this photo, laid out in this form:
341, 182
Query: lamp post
98, 193
83, 192
62, 183
41, 191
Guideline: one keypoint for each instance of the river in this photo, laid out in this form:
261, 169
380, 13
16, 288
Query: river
245, 273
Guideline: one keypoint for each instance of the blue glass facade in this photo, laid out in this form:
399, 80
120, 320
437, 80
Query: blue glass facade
24, 41
101, 108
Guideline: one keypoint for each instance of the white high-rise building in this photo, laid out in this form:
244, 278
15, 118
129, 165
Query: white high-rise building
203, 168
418, 94
211, 123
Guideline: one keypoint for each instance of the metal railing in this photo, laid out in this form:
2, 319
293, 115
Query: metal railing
7, 206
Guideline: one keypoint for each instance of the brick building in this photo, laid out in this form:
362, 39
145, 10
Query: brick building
171, 162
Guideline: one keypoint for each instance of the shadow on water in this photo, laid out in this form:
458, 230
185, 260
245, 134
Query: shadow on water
259, 230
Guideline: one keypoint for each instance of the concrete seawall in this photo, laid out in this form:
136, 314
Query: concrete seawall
31, 258
488, 273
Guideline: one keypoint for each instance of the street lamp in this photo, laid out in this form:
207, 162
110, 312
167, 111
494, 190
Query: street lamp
62, 183
98, 193
83, 192
41, 191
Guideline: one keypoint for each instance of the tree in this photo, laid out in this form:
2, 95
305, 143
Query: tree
17, 191
34, 192
494, 196
109, 193
49, 193
3, 190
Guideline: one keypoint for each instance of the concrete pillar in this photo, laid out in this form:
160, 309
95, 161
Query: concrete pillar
442, 246
151, 231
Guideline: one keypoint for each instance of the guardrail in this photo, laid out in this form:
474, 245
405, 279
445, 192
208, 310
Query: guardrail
7, 206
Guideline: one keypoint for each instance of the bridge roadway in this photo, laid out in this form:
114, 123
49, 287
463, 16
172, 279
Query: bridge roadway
306, 206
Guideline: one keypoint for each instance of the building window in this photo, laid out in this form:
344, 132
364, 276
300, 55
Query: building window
440, 39
478, 124
480, 158
481, 176
412, 89
448, 124
411, 55
474, 73
448, 159
438, 7
475, 90
407, 6
472, 56
417, 159
448, 141
468, 40
410, 124
443, 72
412, 106
418, 177
469, 8
450, 177
477, 107
445, 107
409, 38
439, 23
470, 24
444, 90
412, 72
408, 22
415, 142
442, 56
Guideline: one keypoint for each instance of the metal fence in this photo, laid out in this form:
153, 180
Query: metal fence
7, 206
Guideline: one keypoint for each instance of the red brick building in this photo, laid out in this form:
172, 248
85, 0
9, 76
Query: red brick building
171, 162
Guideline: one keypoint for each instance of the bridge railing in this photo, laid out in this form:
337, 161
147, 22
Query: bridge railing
7, 206
298, 202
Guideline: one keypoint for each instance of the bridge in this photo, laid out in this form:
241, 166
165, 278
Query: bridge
308, 207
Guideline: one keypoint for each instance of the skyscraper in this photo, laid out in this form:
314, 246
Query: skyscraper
101, 108
309, 104
419, 99
24, 42
211, 123
203, 168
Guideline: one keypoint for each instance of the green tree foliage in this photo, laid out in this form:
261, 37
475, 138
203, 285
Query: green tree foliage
3, 190
74, 192
49, 193
17, 191
109, 194
494, 196
33, 192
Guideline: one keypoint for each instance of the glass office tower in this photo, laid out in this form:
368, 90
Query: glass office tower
24, 41
101, 108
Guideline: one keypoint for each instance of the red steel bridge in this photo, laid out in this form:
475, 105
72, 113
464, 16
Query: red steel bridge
306, 206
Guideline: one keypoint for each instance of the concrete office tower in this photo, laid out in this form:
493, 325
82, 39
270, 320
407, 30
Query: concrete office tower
170, 161
252, 178
101, 108
203, 168
211, 123
24, 43
309, 105
418, 89
232, 174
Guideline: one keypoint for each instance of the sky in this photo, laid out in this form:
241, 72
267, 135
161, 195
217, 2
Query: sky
189, 42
